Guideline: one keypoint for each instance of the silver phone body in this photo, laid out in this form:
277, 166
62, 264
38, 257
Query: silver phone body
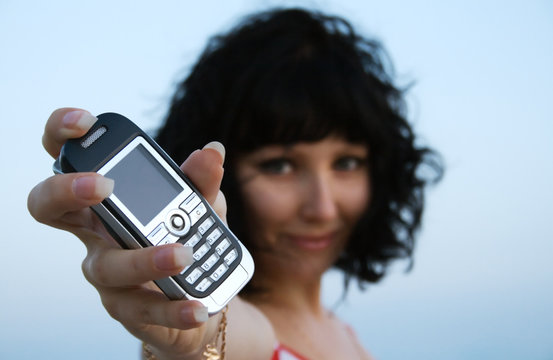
153, 204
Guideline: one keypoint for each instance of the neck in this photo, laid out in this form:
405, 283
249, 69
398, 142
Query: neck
289, 294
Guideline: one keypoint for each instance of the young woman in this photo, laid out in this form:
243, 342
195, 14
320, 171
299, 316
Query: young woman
321, 171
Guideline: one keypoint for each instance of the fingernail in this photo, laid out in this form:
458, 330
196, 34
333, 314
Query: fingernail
93, 187
173, 257
78, 119
195, 313
200, 314
217, 146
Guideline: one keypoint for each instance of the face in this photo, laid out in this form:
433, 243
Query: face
302, 201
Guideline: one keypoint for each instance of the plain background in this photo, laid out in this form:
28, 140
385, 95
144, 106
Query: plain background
482, 285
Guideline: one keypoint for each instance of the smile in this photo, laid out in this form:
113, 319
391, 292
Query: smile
313, 242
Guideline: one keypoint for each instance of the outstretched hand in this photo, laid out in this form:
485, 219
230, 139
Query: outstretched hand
124, 278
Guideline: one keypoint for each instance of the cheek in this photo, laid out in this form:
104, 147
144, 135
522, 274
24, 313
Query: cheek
356, 198
266, 206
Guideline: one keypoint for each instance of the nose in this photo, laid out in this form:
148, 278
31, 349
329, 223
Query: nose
319, 201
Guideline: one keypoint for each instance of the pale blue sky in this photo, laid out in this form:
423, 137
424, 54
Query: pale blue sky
482, 283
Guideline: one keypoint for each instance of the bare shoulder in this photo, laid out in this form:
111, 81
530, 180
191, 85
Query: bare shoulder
250, 334
361, 350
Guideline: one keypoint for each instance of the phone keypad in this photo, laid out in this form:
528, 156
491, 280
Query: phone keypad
214, 252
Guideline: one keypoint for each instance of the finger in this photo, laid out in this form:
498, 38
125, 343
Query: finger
218, 147
140, 308
116, 267
58, 195
205, 169
220, 206
64, 124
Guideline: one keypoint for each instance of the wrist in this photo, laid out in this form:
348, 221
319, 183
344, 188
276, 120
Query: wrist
215, 349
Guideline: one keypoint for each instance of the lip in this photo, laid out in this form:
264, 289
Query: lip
313, 242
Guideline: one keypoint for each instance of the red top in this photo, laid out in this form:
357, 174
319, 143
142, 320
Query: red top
284, 353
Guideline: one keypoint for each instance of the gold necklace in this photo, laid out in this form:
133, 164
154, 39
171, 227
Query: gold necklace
211, 352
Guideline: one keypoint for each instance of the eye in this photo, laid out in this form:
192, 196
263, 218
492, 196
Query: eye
349, 163
276, 166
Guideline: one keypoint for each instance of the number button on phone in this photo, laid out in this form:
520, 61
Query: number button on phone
205, 225
204, 285
220, 271
223, 245
194, 239
193, 276
215, 234
231, 256
212, 260
201, 252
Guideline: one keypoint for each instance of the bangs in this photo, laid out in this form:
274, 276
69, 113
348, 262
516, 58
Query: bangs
299, 100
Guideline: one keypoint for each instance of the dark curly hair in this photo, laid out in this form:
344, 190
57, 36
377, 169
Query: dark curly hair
290, 75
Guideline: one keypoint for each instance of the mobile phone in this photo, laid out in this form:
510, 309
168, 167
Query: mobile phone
154, 203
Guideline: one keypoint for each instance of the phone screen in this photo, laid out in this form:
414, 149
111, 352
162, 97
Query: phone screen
142, 184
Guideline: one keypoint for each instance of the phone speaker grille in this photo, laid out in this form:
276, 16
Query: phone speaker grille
91, 139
